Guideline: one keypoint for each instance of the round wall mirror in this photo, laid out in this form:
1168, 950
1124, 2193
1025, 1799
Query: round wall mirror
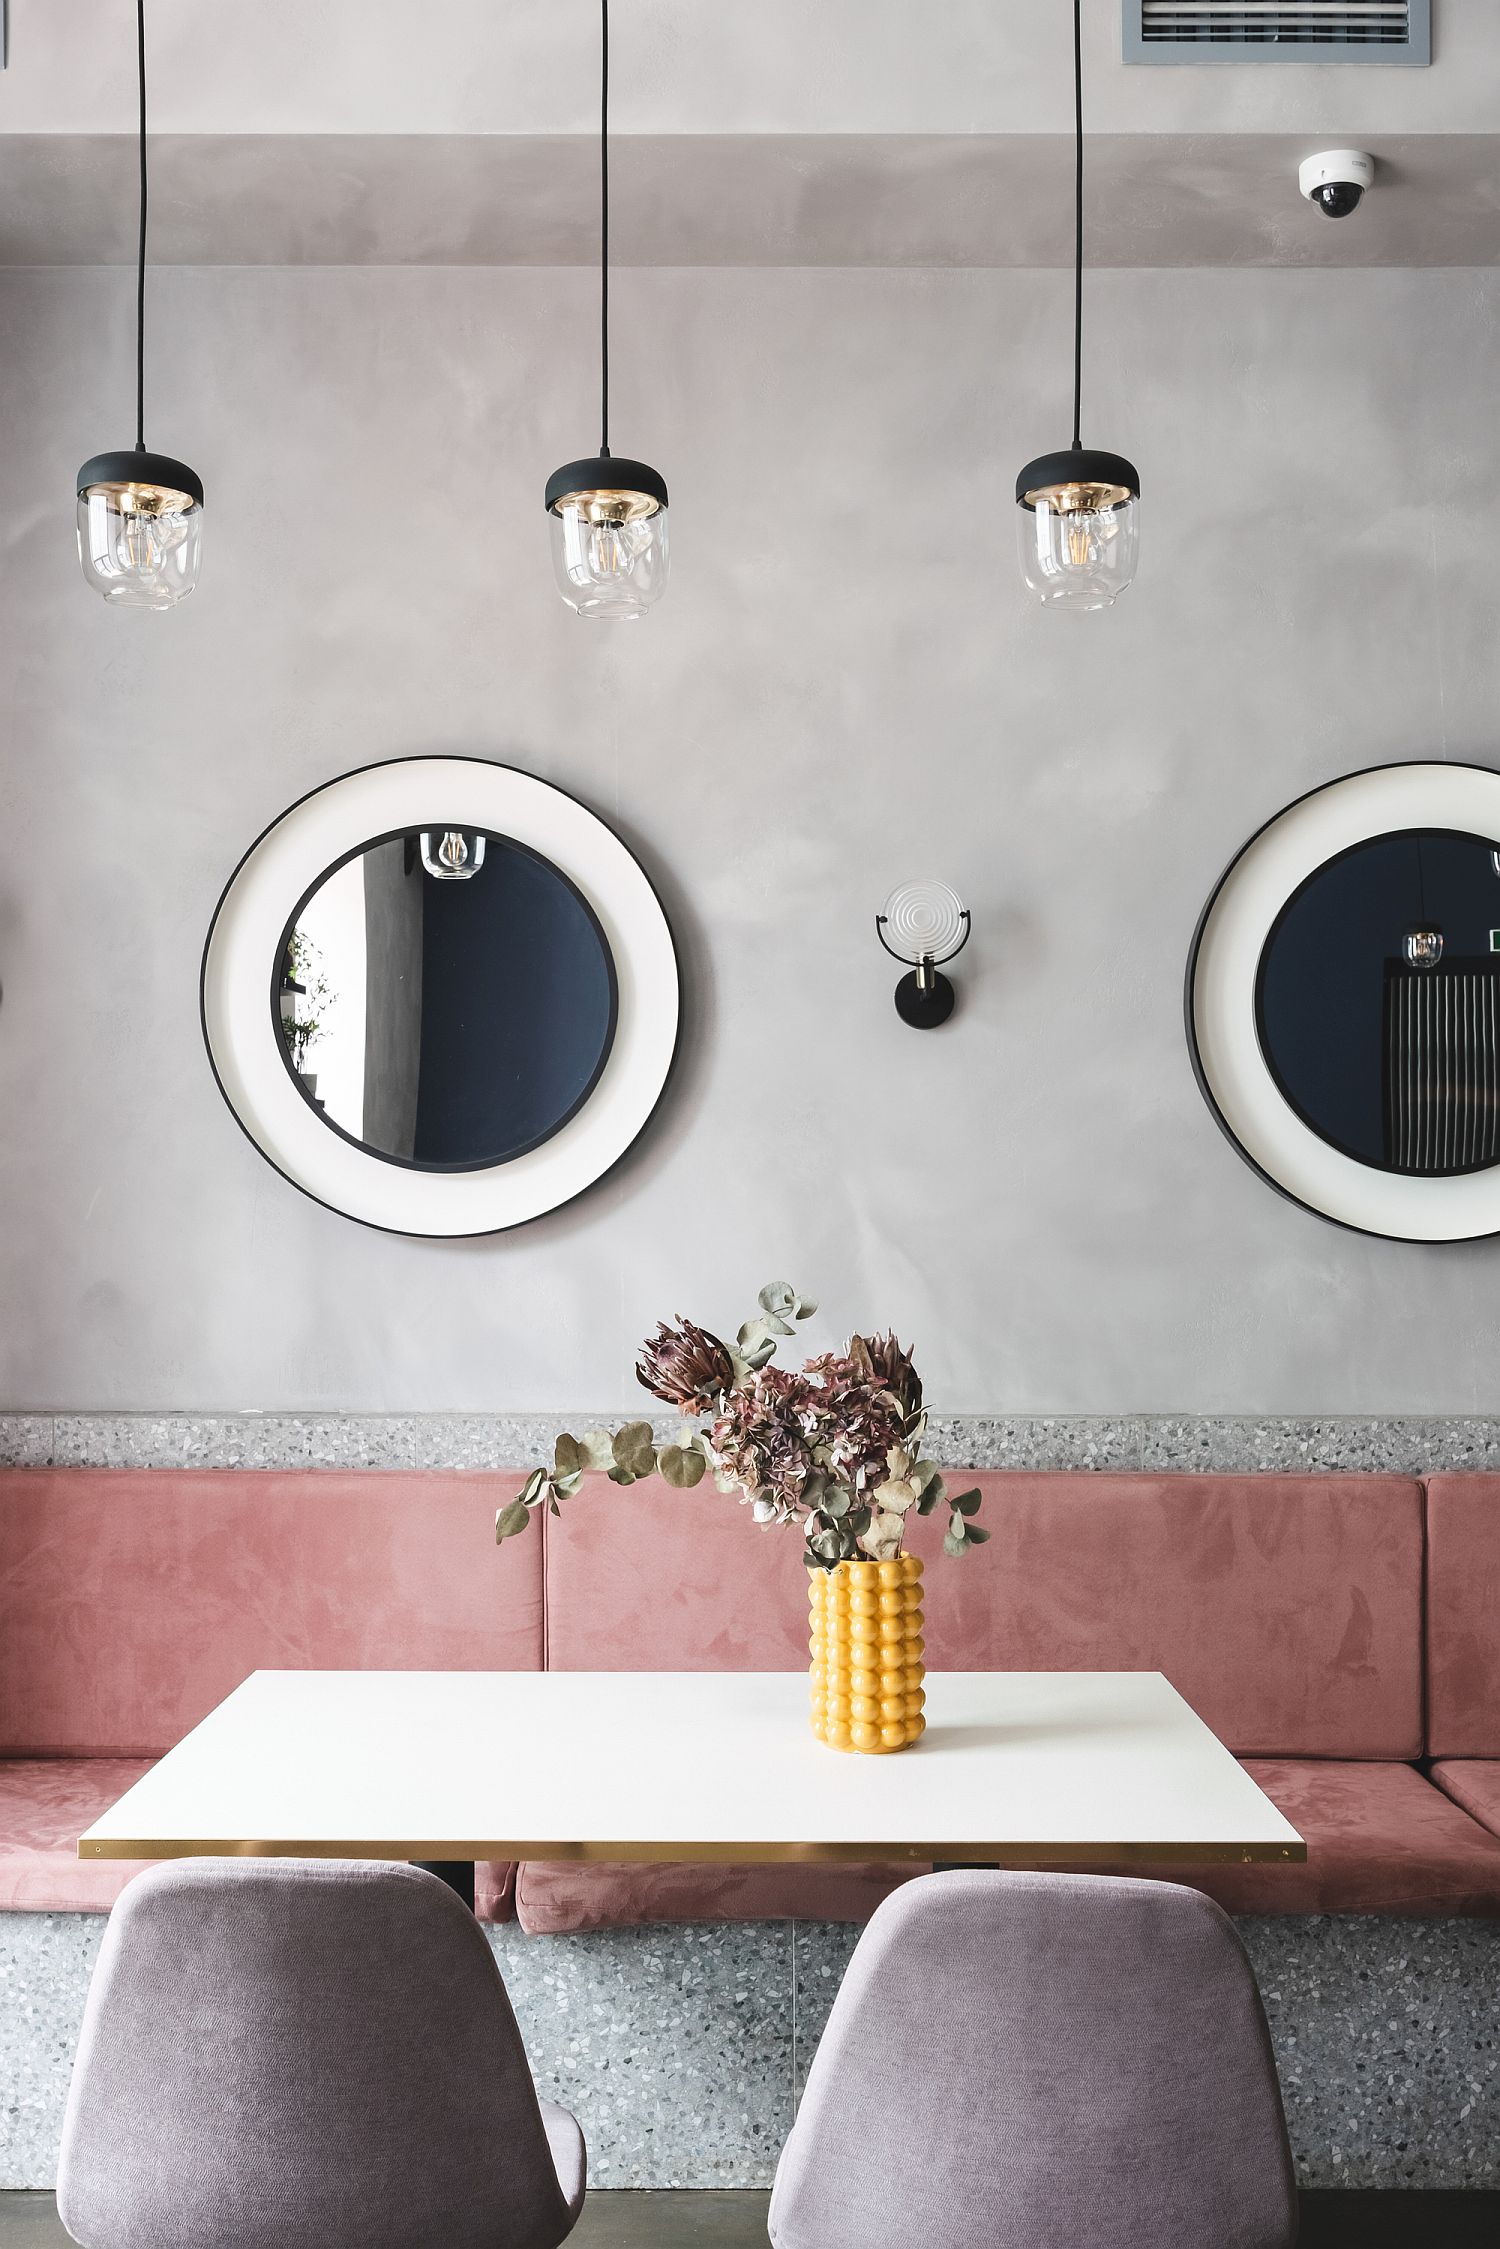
1343, 1002
447, 1017
440, 996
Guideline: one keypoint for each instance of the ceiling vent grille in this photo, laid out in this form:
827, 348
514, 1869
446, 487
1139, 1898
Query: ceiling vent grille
1262, 31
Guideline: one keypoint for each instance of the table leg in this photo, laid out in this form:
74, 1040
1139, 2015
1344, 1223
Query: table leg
457, 1873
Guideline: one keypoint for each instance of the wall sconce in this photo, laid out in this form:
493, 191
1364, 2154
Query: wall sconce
923, 923
452, 861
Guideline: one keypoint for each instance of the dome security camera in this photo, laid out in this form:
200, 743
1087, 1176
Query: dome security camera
1336, 180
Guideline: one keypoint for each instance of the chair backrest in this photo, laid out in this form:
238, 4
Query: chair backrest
295, 2054
1041, 2061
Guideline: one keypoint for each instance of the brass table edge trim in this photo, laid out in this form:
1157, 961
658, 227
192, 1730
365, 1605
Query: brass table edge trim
1291, 1852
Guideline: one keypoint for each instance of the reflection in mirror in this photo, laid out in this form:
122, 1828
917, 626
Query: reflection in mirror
1378, 1002
445, 998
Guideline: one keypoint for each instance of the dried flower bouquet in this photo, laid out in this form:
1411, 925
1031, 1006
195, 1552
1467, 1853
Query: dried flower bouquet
836, 1448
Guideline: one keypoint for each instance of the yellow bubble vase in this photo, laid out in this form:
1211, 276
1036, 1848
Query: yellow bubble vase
866, 1644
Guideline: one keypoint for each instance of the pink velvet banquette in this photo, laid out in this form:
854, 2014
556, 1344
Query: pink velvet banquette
1337, 1632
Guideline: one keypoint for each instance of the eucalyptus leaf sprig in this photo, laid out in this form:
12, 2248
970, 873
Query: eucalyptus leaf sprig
836, 1448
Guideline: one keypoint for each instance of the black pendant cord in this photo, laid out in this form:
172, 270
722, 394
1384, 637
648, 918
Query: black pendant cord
603, 227
1077, 224
592, 476
140, 284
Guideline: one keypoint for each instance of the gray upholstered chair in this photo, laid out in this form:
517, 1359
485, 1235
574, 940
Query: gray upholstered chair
305, 2054
1041, 2061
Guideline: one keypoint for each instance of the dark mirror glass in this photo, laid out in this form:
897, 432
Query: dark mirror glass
445, 998
1378, 1002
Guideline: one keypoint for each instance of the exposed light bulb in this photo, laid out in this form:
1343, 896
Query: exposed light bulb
452, 861
1087, 539
149, 539
594, 552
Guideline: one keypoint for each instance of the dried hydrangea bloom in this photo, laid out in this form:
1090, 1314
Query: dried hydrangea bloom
760, 1441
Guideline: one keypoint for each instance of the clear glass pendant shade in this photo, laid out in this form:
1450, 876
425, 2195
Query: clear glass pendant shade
1078, 552
609, 549
140, 543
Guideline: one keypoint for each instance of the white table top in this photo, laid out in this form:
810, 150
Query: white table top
1016, 1768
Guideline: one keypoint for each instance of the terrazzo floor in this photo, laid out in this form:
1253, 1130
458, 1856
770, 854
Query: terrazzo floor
622, 2220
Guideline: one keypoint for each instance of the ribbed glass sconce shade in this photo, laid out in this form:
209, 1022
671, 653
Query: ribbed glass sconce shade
610, 547
140, 528
1079, 517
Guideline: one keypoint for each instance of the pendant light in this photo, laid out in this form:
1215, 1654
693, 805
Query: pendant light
140, 514
1080, 509
608, 516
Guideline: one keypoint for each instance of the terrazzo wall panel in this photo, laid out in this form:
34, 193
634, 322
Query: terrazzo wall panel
1217, 1444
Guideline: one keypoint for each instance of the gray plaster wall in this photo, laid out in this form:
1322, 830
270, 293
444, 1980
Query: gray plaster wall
843, 688
746, 199
678, 66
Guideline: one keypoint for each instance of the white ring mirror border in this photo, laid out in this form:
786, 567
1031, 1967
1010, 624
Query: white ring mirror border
1232, 1070
244, 1044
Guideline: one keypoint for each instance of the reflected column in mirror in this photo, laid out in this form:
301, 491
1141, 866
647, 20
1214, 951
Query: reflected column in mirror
445, 998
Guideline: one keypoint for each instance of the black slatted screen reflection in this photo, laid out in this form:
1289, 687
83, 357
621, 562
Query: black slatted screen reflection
1442, 1066
1391, 1064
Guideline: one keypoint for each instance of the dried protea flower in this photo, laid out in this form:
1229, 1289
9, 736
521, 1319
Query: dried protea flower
685, 1366
891, 1365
